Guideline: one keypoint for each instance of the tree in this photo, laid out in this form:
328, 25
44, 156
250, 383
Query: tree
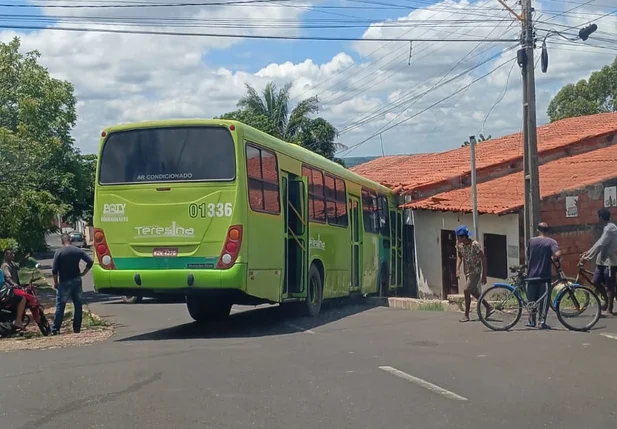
41, 172
480, 138
270, 113
586, 97
25, 210
83, 205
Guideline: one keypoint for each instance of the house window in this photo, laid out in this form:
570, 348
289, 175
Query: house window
263, 180
317, 199
496, 251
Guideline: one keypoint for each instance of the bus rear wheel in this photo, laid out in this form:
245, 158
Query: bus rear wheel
314, 294
206, 310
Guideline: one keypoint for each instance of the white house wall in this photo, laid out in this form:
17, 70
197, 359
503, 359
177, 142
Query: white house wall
427, 229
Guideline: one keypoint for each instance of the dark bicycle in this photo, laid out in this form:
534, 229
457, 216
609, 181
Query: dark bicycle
508, 300
583, 275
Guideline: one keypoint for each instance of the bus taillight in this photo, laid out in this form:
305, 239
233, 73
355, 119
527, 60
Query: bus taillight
231, 248
102, 250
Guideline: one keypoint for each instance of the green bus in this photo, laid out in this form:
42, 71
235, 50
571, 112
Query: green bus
221, 213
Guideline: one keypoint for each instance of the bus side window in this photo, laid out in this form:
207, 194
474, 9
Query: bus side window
384, 224
369, 211
263, 180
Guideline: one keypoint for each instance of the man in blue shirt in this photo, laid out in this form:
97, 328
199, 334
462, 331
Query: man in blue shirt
541, 251
67, 280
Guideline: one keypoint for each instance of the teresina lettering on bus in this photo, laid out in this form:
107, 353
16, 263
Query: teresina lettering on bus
174, 230
168, 176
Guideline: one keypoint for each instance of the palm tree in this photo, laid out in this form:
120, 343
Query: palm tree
274, 107
270, 113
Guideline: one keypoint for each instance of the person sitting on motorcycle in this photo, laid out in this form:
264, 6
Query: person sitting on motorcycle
10, 272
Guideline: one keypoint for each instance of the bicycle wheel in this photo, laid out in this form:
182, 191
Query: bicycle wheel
569, 301
506, 305
578, 307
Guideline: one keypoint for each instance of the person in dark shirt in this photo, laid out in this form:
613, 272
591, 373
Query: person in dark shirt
541, 251
67, 280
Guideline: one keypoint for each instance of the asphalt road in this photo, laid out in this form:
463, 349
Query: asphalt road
353, 367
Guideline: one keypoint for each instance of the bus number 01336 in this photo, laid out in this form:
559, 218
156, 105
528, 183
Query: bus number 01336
210, 210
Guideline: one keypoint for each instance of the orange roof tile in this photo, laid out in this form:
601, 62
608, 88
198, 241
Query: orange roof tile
412, 171
506, 194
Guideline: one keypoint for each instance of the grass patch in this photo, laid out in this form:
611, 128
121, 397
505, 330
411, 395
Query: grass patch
431, 306
89, 320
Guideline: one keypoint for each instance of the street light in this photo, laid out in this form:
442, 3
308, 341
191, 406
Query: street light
583, 35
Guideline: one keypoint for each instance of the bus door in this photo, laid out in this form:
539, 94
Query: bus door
295, 203
394, 249
356, 242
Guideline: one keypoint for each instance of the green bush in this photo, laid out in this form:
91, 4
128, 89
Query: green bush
8, 243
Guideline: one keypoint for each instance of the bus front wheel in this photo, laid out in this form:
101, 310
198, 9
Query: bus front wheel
206, 310
314, 296
131, 299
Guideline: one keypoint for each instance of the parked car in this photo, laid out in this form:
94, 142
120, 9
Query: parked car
78, 239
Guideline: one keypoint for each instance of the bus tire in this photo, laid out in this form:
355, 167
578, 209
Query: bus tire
383, 281
314, 293
131, 299
205, 310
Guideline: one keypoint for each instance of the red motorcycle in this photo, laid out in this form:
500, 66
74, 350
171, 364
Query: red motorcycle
8, 310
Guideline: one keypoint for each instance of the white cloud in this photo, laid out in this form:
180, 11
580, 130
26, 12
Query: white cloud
121, 77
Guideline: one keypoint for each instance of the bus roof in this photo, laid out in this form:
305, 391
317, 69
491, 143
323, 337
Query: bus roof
289, 149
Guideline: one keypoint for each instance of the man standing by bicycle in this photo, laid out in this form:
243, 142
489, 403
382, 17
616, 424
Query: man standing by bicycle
470, 253
541, 250
605, 252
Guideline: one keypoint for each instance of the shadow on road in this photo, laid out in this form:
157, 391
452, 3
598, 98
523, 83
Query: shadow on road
92, 297
260, 322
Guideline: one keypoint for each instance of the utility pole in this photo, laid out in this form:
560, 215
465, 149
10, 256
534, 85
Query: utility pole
530, 132
474, 190
532, 177
526, 177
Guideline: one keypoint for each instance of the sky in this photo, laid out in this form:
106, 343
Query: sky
384, 97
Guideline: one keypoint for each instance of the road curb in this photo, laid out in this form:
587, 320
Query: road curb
415, 304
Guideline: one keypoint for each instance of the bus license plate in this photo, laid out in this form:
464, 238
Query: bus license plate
165, 252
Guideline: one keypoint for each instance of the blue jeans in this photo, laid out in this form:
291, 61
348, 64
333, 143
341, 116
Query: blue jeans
69, 289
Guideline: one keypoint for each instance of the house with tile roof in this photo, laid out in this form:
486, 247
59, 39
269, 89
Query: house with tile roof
578, 175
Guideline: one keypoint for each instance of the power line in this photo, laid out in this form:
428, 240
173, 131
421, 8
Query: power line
391, 73
354, 64
505, 91
354, 147
240, 36
411, 97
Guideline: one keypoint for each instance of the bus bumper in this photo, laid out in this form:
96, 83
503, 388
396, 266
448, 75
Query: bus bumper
152, 282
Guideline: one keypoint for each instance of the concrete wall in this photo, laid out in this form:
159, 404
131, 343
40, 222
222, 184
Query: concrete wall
428, 226
576, 234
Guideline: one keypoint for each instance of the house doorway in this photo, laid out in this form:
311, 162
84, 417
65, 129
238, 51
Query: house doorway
410, 285
448, 263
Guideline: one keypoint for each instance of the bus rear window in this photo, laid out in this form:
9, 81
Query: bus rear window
177, 154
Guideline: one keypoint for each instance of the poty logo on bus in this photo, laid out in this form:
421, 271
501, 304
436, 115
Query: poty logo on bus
174, 230
117, 209
114, 213
168, 176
